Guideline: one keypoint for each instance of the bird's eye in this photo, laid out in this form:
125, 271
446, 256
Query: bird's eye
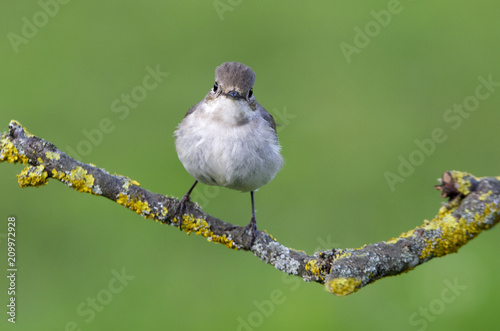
216, 87
250, 93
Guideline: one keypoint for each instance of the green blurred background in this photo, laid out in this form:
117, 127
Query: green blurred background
345, 124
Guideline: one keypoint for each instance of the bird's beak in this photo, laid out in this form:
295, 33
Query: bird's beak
234, 94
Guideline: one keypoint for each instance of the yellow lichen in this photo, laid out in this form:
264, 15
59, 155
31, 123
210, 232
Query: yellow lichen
33, 176
129, 182
313, 267
26, 133
403, 235
58, 174
343, 286
454, 233
122, 199
463, 184
443, 210
271, 236
16, 123
159, 217
484, 196
164, 212
10, 154
80, 180
392, 241
200, 227
52, 155
342, 254
140, 207
77, 178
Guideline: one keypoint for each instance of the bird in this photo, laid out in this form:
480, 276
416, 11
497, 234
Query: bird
228, 139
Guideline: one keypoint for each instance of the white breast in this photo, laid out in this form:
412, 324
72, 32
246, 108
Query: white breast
228, 144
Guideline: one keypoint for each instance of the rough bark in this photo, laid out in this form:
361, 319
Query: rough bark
473, 207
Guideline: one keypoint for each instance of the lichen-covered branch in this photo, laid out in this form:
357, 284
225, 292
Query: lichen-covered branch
474, 206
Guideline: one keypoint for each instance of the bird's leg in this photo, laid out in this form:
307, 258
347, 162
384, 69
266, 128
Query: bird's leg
252, 226
182, 205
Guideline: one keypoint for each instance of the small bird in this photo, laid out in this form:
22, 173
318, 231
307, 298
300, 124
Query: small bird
228, 139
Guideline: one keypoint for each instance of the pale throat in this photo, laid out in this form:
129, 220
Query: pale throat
228, 110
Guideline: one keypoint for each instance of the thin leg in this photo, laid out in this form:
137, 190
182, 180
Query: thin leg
252, 226
182, 205
191, 189
253, 209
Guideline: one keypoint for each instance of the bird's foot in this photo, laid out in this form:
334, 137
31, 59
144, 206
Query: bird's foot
181, 207
251, 229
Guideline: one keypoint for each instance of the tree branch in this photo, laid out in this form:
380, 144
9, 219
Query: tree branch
473, 207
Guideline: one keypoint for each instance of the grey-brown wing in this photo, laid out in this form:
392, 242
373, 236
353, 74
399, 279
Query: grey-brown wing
191, 110
268, 117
